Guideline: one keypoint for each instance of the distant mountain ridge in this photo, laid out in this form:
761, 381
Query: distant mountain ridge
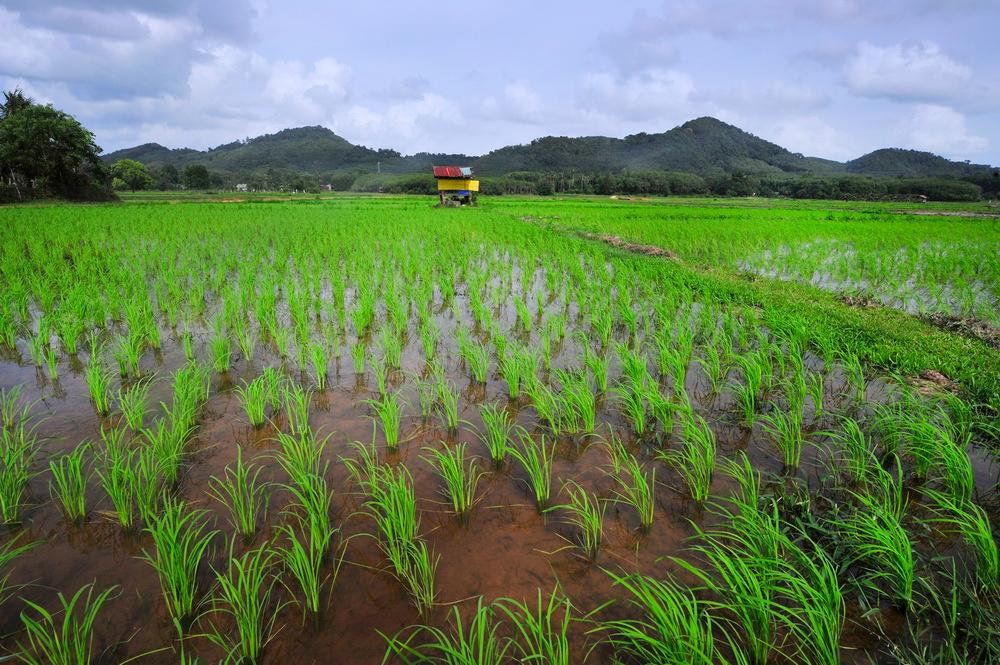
704, 146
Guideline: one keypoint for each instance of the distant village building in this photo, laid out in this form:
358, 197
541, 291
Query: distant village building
455, 185
242, 187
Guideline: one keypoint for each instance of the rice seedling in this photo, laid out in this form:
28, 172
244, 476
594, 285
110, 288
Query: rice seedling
854, 376
674, 628
166, 444
498, 427
358, 357
222, 352
815, 608
52, 362
536, 459
117, 480
304, 560
584, 511
9, 551
180, 545
460, 476
255, 397
632, 398
133, 402
579, 399
447, 402
816, 385
880, 542
244, 593
477, 359
246, 340
973, 523
99, 384
635, 487
146, 479
712, 366
243, 495
785, 429
11, 408
389, 411
541, 633
69, 482
296, 401
418, 575
954, 470
318, 356
695, 461
128, 354
65, 640
481, 643
856, 450
18, 449
755, 368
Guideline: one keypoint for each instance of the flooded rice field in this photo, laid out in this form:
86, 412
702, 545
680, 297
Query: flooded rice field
315, 439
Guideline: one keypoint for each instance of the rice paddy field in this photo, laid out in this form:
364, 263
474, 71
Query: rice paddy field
363, 430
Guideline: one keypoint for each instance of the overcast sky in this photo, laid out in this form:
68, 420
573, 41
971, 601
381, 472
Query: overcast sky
831, 78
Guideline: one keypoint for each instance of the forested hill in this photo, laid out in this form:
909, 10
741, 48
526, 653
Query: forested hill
705, 146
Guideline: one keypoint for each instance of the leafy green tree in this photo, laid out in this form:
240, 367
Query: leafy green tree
132, 174
196, 176
47, 152
165, 177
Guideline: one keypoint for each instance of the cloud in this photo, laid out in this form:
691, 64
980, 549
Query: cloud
811, 135
518, 103
941, 129
646, 95
921, 72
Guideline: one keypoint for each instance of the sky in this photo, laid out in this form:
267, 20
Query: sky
827, 78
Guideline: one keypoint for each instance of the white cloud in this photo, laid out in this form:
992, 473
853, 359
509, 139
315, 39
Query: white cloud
812, 136
916, 72
941, 129
518, 103
645, 95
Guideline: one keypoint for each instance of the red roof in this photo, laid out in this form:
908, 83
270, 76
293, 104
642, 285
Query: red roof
452, 171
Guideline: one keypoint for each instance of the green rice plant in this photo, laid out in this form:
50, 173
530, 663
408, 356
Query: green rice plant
320, 364
712, 366
785, 429
954, 469
973, 523
358, 357
513, 370
146, 482
9, 551
118, 480
635, 487
65, 640
18, 449
301, 454
548, 404
755, 367
180, 544
304, 560
418, 576
879, 541
813, 602
460, 476
497, 426
240, 491
856, 448
69, 482
598, 364
274, 382
255, 397
187, 344
477, 359
222, 352
541, 633
128, 353
133, 402
389, 411
695, 460
392, 349
167, 443
52, 362
11, 408
480, 644
674, 629
246, 340
447, 402
579, 399
854, 376
816, 385
99, 384
311, 500
296, 402
244, 592
536, 458
632, 397
584, 511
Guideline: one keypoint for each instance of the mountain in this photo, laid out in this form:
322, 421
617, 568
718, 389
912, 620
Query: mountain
912, 163
705, 146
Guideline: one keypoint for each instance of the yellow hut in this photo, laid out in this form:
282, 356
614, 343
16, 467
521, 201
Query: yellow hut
455, 185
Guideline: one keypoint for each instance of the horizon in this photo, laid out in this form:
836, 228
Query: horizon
835, 79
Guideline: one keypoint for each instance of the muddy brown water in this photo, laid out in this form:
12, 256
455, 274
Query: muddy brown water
506, 549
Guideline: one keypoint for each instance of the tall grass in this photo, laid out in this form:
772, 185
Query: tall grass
67, 639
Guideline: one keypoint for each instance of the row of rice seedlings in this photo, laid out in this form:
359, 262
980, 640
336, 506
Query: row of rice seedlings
180, 544
244, 496
65, 637
479, 643
69, 482
460, 476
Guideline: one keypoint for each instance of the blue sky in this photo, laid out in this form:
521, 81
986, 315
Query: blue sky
831, 78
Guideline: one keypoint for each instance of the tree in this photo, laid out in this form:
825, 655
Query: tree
165, 177
47, 152
196, 176
132, 174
